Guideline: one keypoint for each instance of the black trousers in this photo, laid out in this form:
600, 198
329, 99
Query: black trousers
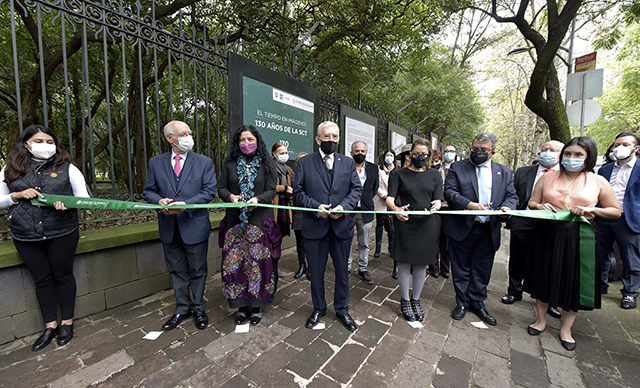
300, 247
471, 264
385, 222
443, 258
187, 265
609, 231
51, 265
519, 247
318, 255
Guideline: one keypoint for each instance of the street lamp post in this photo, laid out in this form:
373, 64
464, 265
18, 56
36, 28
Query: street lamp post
300, 43
362, 88
403, 108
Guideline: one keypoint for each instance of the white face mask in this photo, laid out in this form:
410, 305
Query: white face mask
283, 158
622, 152
185, 143
42, 150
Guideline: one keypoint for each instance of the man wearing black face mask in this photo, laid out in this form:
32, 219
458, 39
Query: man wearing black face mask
328, 181
476, 183
368, 174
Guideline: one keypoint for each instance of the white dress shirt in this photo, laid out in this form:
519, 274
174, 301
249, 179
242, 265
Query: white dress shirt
620, 179
183, 158
362, 174
329, 161
487, 180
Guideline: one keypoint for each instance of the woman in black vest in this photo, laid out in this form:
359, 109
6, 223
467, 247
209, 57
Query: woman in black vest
45, 237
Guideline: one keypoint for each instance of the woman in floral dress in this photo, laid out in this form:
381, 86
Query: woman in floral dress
249, 237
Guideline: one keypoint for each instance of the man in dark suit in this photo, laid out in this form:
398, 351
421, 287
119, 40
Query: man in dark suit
624, 176
328, 181
476, 183
368, 175
522, 227
174, 178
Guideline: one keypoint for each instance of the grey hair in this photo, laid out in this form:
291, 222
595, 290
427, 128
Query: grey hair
353, 145
485, 136
325, 124
167, 129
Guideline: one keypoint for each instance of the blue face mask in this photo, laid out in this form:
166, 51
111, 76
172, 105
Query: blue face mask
388, 160
573, 164
449, 156
548, 158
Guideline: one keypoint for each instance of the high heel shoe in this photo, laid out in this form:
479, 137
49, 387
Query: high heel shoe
302, 270
407, 310
417, 309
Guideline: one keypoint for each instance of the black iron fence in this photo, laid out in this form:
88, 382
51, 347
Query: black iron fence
107, 75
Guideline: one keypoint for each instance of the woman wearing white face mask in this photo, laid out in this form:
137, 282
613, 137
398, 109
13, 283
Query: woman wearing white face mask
554, 273
284, 189
386, 164
45, 237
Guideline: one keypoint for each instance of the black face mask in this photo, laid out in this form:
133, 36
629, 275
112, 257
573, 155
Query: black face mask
328, 147
359, 158
479, 156
419, 161
437, 166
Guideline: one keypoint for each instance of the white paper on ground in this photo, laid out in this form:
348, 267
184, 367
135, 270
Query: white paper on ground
152, 335
319, 326
242, 328
416, 324
480, 325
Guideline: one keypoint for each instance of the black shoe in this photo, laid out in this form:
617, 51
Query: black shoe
484, 316
314, 319
458, 313
308, 276
628, 302
377, 253
348, 322
301, 271
604, 290
256, 316
570, 346
394, 274
65, 334
45, 338
417, 309
175, 320
533, 331
407, 310
554, 312
511, 299
349, 272
364, 275
444, 275
202, 320
241, 315
434, 274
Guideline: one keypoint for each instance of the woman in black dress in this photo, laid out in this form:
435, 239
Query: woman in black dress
249, 237
415, 187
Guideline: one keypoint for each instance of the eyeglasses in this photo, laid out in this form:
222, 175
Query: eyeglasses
182, 134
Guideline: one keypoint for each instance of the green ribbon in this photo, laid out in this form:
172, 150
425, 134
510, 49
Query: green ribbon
587, 233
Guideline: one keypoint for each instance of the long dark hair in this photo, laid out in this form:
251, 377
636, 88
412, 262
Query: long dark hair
381, 163
589, 146
17, 162
267, 159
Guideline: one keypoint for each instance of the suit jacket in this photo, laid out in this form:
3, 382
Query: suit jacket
313, 187
369, 190
523, 182
461, 187
197, 184
631, 195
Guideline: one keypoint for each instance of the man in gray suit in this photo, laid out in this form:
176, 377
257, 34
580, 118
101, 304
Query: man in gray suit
175, 178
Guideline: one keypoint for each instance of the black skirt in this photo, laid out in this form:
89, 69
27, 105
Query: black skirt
415, 240
553, 266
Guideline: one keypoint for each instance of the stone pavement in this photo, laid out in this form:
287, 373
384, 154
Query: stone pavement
108, 350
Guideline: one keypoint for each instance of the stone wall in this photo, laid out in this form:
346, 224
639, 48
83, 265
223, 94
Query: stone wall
106, 278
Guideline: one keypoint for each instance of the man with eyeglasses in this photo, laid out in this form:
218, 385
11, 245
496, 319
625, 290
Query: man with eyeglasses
476, 183
449, 155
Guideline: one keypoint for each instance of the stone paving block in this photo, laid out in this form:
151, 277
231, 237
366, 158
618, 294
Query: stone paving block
445, 303
226, 325
346, 362
178, 371
356, 295
402, 329
428, 347
298, 318
322, 381
388, 312
111, 267
89, 304
336, 334
238, 381
293, 302
222, 370
462, 343
563, 371
137, 372
106, 349
378, 295
528, 371
452, 372
151, 319
43, 376
150, 259
271, 315
309, 361
614, 337
389, 354
491, 371
494, 341
371, 376
550, 341
437, 321
122, 312
302, 337
410, 371
361, 311
282, 379
144, 349
222, 346
371, 333
135, 290
95, 373
267, 339
191, 344
13, 299
521, 341
629, 368
598, 376
268, 363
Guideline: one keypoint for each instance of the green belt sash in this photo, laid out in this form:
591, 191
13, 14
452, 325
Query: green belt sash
587, 233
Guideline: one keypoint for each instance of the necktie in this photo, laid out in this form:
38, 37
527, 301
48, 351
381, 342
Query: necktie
483, 191
176, 167
328, 162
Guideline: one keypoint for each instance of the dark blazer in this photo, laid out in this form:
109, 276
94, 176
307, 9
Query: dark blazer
369, 190
197, 184
461, 187
523, 183
312, 188
631, 195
